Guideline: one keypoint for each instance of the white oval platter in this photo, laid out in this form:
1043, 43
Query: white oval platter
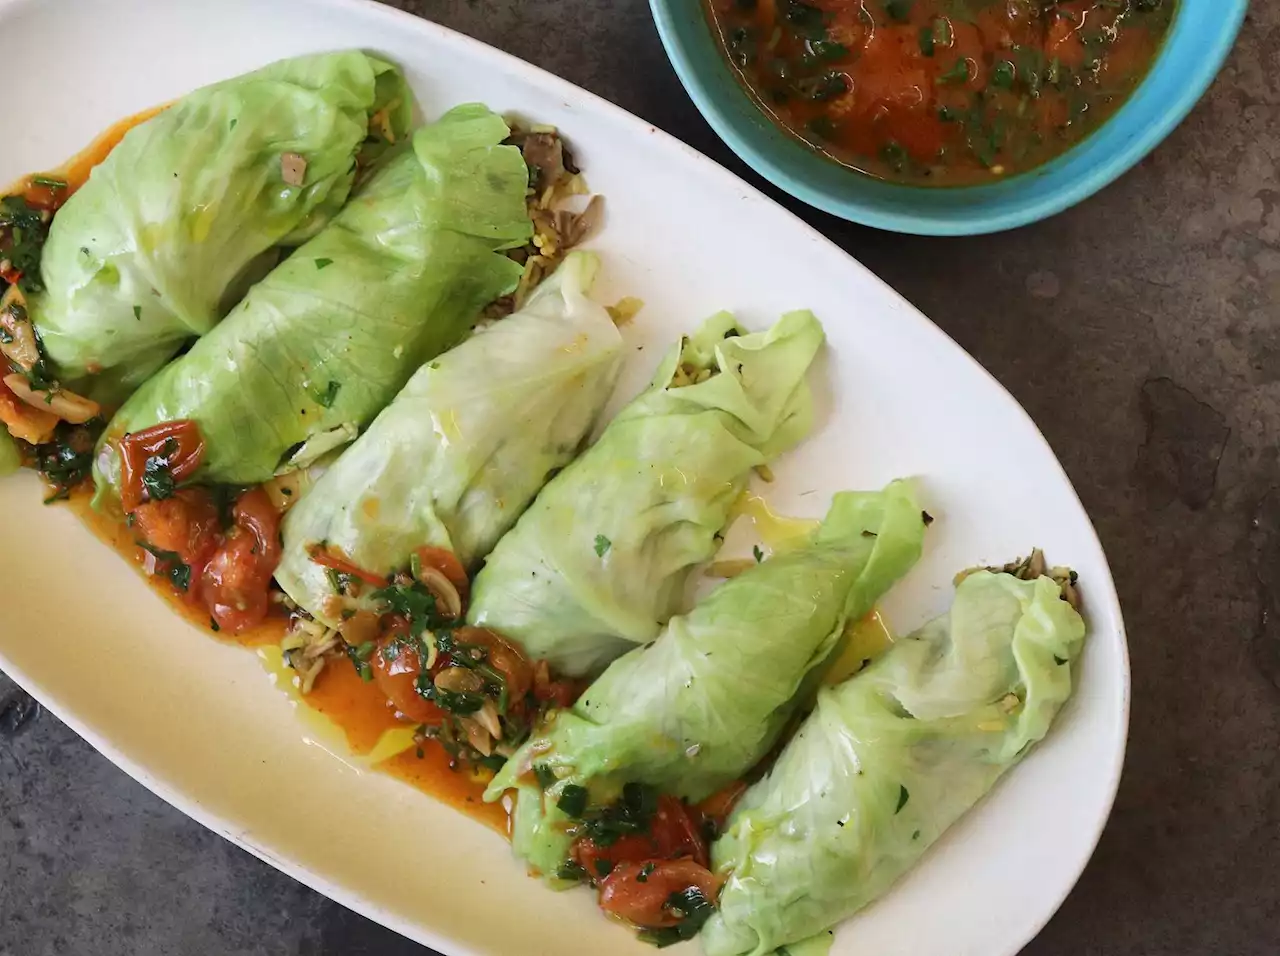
198, 722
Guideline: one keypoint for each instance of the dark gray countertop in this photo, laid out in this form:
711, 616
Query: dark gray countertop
1141, 330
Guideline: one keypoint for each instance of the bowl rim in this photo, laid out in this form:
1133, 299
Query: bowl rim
968, 221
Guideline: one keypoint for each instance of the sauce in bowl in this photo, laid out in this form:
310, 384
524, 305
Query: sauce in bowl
941, 92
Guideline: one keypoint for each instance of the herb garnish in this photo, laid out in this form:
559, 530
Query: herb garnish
692, 908
67, 461
157, 477
603, 544
326, 398
23, 231
359, 657
573, 801
571, 871
170, 564
633, 813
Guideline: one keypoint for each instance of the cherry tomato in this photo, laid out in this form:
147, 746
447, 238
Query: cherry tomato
178, 445
235, 583
639, 894
503, 657
674, 833
558, 693
186, 524
396, 666
719, 805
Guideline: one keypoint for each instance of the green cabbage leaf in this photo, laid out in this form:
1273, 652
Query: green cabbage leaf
600, 560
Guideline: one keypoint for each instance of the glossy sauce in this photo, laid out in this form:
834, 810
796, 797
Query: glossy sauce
75, 171
941, 92
342, 710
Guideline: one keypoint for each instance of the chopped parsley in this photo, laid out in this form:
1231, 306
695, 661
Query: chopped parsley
326, 398
693, 910
360, 656
413, 601
645, 872
759, 555
603, 868
170, 564
546, 777
339, 581
603, 544
23, 231
900, 10
633, 813
137, 312
157, 477
67, 461
958, 72
573, 801
903, 796
323, 263
571, 871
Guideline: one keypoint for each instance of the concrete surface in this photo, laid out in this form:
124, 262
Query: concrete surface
1142, 332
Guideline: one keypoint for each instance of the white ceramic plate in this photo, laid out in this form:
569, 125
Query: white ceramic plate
197, 722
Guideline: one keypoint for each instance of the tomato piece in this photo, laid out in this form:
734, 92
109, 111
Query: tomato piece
719, 805
235, 583
186, 524
328, 559
561, 692
447, 563
503, 657
638, 892
1063, 41
396, 666
676, 827
674, 833
176, 446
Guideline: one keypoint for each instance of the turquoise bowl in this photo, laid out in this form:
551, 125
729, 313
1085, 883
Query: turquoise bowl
1201, 36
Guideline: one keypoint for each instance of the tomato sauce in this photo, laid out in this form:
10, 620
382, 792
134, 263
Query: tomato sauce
75, 171
354, 705
941, 92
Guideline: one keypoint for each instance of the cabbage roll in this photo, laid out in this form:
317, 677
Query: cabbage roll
890, 759
324, 342
698, 708
600, 560
462, 450
151, 251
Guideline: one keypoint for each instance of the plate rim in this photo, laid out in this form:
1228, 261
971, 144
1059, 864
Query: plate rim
421, 931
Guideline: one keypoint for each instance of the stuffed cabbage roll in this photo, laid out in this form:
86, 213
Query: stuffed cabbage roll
600, 560
324, 342
462, 450
891, 758
698, 708
149, 253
